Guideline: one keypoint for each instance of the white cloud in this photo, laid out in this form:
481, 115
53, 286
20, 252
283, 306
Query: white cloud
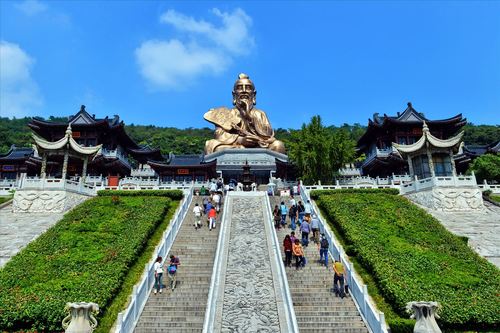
31, 7
168, 64
19, 93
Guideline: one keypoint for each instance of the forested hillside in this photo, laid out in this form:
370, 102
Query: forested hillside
192, 140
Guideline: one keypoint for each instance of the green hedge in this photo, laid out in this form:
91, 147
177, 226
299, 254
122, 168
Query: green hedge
84, 257
412, 257
5, 198
315, 194
172, 194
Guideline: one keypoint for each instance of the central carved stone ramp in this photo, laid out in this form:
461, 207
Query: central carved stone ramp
316, 307
248, 295
183, 310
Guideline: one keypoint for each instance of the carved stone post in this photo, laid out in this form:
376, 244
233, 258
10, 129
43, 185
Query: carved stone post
44, 166
431, 162
65, 163
453, 168
80, 318
410, 166
84, 170
425, 314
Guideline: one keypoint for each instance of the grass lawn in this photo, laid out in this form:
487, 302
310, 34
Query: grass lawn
91, 255
405, 255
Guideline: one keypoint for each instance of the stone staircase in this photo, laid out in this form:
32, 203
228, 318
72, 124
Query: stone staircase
183, 310
316, 307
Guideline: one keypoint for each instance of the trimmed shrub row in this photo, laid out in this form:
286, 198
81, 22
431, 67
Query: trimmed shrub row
172, 194
315, 194
412, 257
84, 257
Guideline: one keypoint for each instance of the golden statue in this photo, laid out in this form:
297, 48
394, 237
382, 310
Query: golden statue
242, 126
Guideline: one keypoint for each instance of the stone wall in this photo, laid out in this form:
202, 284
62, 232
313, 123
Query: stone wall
46, 201
449, 198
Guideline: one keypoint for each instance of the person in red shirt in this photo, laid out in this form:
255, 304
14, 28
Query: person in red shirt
287, 245
211, 217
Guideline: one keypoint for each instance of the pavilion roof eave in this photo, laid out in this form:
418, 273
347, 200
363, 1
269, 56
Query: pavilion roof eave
59, 144
430, 140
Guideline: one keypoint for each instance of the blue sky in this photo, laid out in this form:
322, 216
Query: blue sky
167, 63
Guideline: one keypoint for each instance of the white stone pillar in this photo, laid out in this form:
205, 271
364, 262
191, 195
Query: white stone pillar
65, 163
410, 166
44, 166
84, 169
431, 163
452, 161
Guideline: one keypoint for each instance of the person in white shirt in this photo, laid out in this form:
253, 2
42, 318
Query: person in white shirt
197, 210
308, 208
213, 187
158, 271
216, 198
292, 201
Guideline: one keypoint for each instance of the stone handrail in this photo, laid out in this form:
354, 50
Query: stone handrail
359, 291
283, 279
127, 320
215, 283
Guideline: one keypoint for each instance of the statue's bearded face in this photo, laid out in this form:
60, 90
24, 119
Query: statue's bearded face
244, 96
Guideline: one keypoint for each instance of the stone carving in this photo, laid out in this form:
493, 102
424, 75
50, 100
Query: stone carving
449, 199
249, 296
46, 201
80, 318
425, 314
243, 126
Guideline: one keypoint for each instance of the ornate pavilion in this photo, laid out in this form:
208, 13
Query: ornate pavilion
405, 129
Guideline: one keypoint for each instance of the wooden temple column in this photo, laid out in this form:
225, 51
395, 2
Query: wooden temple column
44, 166
65, 163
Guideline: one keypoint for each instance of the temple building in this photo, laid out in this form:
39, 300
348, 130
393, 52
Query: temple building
116, 156
14, 162
405, 128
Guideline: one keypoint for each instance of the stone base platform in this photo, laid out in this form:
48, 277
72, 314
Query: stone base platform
46, 201
449, 198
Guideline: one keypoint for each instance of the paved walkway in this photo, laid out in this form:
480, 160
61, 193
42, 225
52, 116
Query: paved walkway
481, 227
18, 229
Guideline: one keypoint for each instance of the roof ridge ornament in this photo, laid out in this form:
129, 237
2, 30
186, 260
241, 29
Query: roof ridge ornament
69, 132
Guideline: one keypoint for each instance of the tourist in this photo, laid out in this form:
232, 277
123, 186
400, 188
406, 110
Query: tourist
308, 208
298, 252
197, 216
208, 207
217, 199
301, 211
172, 271
277, 217
292, 237
213, 188
295, 190
323, 250
338, 278
203, 191
292, 200
293, 213
205, 202
287, 246
211, 218
284, 212
305, 229
158, 270
315, 228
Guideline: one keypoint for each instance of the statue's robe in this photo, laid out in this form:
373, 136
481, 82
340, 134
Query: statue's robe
257, 125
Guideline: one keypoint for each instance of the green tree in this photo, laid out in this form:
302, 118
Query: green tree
486, 167
319, 151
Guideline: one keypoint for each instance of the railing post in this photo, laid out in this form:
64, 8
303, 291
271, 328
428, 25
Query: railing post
381, 317
134, 301
119, 323
365, 300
